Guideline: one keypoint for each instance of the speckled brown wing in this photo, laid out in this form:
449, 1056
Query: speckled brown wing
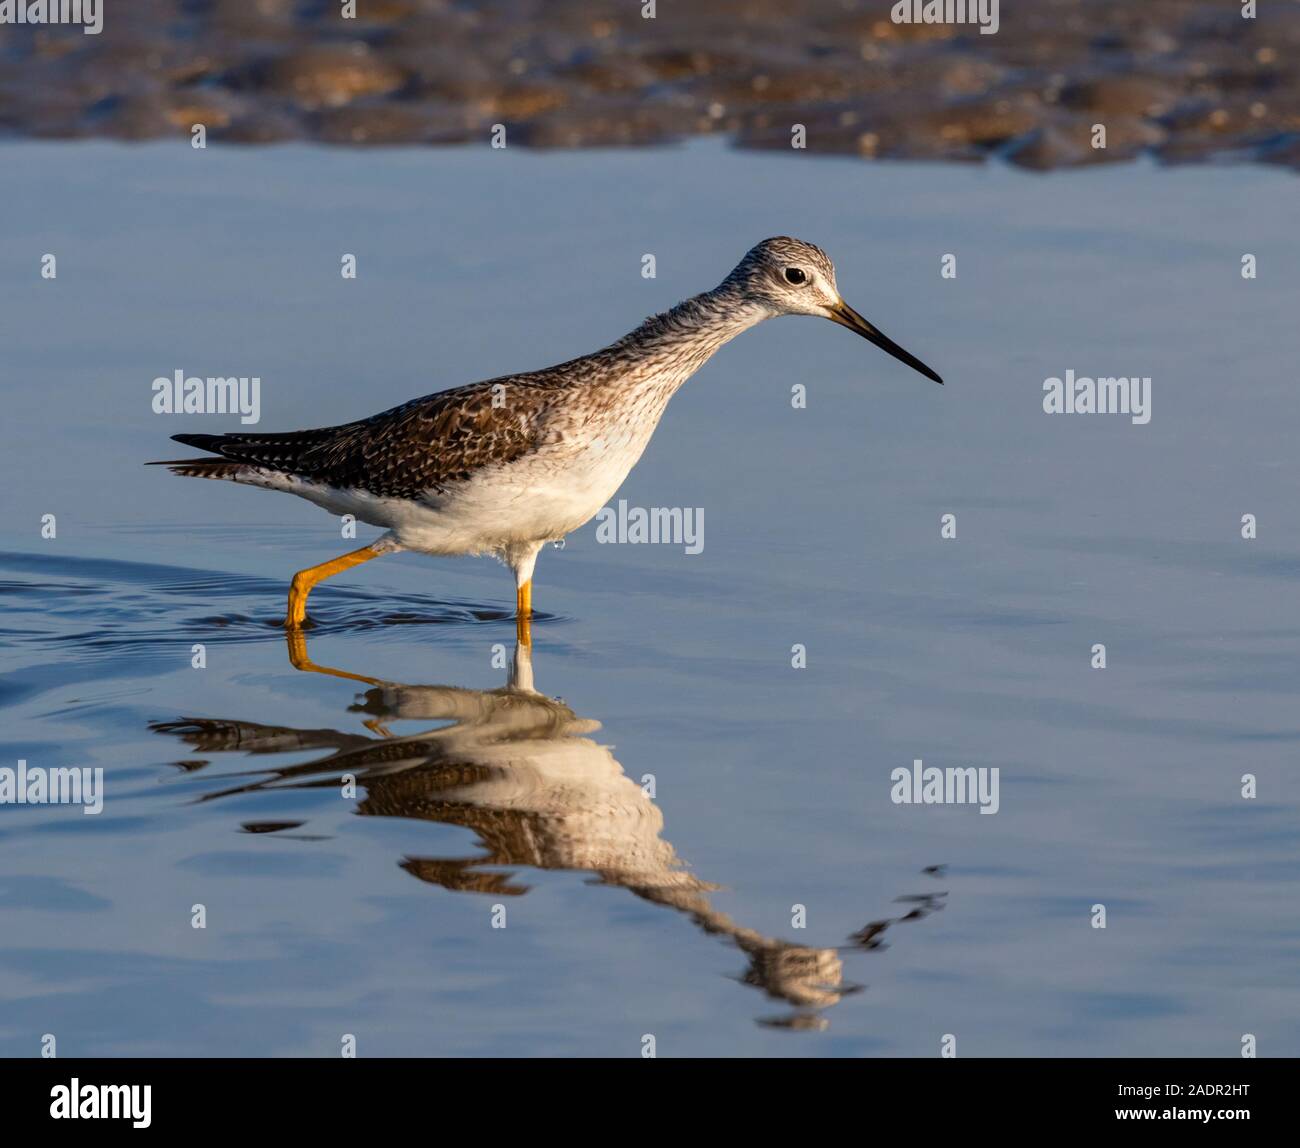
425, 445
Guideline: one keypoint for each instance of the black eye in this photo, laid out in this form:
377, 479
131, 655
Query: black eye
795, 275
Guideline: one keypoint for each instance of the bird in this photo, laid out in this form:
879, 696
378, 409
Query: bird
505, 465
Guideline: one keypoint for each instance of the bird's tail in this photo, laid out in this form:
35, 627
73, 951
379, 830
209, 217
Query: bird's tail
245, 455
202, 467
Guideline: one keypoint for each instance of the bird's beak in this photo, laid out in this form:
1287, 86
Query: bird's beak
846, 316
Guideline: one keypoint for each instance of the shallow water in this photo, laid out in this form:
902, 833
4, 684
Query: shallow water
625, 916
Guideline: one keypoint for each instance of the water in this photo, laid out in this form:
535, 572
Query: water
372, 915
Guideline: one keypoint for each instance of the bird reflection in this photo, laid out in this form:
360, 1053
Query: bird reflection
517, 769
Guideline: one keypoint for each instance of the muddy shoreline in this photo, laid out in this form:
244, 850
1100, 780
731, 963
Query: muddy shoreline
1182, 80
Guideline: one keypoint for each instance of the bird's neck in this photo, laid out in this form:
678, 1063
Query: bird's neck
672, 346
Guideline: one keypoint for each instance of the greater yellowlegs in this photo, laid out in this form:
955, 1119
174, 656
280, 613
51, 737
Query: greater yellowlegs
506, 465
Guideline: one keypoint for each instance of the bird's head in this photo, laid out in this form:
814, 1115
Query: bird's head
790, 277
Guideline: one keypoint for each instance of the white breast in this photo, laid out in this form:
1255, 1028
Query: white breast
537, 498
585, 455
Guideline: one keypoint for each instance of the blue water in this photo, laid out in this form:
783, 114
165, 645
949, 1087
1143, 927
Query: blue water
717, 915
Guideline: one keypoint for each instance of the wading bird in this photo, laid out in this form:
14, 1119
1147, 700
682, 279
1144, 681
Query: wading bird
506, 465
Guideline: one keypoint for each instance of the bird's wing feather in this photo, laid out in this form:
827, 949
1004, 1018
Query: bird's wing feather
420, 446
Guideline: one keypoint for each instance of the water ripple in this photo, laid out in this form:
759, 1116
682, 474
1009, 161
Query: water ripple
96, 608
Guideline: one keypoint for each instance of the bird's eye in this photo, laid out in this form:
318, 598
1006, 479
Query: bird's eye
795, 275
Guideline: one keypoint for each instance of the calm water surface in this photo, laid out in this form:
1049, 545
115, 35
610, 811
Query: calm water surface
372, 914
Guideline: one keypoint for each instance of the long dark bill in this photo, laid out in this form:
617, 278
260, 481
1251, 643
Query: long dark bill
846, 316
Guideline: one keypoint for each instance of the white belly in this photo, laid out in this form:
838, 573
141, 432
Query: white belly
584, 458
536, 499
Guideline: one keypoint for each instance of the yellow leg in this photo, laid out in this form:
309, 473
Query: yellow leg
304, 580
523, 613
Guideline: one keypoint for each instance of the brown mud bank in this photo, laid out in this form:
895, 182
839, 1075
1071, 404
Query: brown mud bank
1184, 80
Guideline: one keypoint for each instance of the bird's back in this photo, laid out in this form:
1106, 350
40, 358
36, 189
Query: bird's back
427, 444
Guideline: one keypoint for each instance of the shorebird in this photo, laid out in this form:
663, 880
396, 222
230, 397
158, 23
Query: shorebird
505, 465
